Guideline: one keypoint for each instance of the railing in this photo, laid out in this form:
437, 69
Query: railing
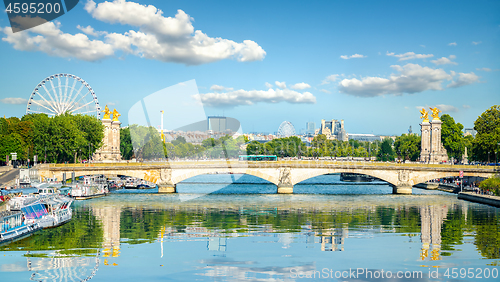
305, 163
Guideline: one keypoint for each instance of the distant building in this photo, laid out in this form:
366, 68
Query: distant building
470, 131
333, 130
365, 137
310, 127
217, 124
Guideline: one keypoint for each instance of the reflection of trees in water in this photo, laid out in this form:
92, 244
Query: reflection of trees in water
82, 235
441, 225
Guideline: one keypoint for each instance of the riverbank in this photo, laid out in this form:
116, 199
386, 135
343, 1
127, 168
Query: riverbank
450, 188
478, 198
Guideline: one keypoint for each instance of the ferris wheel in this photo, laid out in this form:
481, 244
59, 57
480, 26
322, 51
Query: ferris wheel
61, 93
286, 129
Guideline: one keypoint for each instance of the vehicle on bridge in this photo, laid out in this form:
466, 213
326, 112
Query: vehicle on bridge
258, 158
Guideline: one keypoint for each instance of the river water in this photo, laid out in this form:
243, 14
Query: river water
213, 231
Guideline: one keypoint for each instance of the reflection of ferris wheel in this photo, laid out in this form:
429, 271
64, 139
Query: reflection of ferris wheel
61, 93
286, 129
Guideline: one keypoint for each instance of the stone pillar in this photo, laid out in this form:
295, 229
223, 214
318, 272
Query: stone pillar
404, 186
110, 150
425, 128
438, 152
166, 189
285, 185
115, 150
165, 184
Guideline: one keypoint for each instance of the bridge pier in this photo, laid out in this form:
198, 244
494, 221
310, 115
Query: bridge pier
285, 185
166, 189
404, 190
285, 189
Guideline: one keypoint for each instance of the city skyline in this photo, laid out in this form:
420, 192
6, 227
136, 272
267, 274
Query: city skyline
373, 65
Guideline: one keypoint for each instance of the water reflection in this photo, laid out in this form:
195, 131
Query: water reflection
431, 218
109, 216
257, 237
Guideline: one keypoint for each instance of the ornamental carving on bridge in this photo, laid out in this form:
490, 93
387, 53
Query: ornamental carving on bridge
285, 176
403, 177
165, 176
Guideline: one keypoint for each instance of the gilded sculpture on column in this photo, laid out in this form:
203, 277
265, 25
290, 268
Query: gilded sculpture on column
435, 113
115, 115
425, 115
106, 112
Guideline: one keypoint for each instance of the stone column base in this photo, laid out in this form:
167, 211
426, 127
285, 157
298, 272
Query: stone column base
405, 190
285, 189
166, 189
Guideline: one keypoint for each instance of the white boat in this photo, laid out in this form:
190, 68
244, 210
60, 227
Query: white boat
58, 211
92, 187
14, 226
130, 183
47, 209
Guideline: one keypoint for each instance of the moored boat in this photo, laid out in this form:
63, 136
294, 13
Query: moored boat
92, 187
46, 209
354, 177
14, 226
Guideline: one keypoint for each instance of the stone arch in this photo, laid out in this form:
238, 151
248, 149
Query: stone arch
299, 175
267, 175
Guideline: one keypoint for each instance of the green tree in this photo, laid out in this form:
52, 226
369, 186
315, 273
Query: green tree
386, 153
491, 184
11, 143
126, 148
452, 137
407, 146
485, 145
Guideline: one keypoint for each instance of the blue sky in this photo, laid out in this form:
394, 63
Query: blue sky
371, 63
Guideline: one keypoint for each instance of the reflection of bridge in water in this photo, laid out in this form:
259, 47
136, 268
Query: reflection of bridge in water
284, 174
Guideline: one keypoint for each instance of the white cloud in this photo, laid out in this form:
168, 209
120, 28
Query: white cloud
329, 79
410, 56
423, 46
452, 44
52, 41
14, 101
411, 78
445, 61
466, 106
88, 30
487, 69
281, 85
216, 87
476, 42
447, 108
444, 108
167, 39
269, 85
464, 79
345, 57
300, 86
244, 97
325, 91
111, 103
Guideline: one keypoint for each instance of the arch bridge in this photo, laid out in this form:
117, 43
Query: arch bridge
284, 174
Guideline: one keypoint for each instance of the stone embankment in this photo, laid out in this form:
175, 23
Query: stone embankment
478, 198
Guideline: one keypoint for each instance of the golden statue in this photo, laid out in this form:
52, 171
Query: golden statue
425, 115
115, 115
435, 113
106, 112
